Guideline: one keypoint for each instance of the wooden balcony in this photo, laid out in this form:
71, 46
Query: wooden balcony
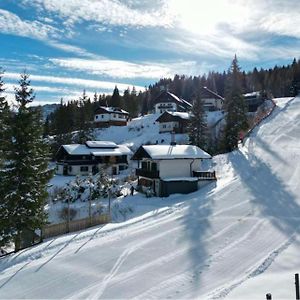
147, 173
205, 175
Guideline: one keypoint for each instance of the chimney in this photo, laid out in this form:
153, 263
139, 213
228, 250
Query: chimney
173, 142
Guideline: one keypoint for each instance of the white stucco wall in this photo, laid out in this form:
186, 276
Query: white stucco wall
177, 167
215, 102
109, 117
167, 126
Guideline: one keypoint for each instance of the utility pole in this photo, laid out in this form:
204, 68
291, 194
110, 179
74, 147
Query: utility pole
68, 219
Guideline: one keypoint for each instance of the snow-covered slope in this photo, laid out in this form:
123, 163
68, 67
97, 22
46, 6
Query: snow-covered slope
217, 242
142, 130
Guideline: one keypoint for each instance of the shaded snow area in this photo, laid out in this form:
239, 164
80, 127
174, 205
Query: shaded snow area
139, 131
237, 238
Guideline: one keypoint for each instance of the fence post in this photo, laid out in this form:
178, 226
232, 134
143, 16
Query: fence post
297, 286
269, 296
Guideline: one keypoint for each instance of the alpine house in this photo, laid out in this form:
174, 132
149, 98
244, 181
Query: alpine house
84, 159
169, 169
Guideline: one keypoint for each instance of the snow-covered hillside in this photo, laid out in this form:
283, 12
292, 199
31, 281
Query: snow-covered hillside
236, 238
142, 130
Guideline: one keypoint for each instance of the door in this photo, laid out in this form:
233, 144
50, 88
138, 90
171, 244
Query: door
65, 170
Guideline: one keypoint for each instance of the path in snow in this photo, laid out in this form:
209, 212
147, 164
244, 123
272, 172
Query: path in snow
212, 243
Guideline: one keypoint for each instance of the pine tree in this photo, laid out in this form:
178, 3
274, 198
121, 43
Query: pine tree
235, 106
83, 126
197, 126
27, 168
115, 99
5, 138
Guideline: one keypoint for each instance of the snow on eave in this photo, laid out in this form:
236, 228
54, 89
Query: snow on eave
79, 149
167, 152
101, 144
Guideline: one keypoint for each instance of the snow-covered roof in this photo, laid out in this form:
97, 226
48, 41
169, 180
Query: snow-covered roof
253, 94
205, 91
121, 150
182, 115
110, 110
78, 149
101, 144
170, 97
175, 151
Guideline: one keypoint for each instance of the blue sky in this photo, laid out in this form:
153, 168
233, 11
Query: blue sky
71, 45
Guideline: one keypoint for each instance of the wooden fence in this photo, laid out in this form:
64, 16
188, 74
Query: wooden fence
75, 225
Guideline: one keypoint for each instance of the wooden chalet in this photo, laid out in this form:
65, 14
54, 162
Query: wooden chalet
88, 158
211, 100
169, 169
173, 121
110, 116
167, 101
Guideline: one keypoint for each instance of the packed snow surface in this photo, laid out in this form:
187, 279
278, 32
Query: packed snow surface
233, 239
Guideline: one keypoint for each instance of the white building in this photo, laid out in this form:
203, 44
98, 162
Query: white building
167, 101
173, 121
211, 100
110, 116
169, 169
88, 158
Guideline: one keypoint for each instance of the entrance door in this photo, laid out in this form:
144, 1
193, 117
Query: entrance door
65, 170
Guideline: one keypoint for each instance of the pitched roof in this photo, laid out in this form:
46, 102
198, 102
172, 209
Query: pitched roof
110, 110
170, 152
79, 149
169, 97
205, 92
101, 144
168, 116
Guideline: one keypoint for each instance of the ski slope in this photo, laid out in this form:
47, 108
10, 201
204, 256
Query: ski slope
234, 239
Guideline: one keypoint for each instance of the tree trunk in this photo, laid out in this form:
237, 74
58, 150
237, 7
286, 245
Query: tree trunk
18, 241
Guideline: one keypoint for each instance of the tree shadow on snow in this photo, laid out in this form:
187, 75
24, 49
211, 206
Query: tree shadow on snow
268, 192
196, 223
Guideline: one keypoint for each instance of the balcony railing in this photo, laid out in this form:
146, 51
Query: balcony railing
147, 173
205, 175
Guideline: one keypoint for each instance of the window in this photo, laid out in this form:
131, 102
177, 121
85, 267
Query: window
102, 116
84, 169
97, 117
164, 126
144, 165
70, 169
115, 116
154, 167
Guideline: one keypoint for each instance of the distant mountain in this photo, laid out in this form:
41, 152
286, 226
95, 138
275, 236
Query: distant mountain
47, 109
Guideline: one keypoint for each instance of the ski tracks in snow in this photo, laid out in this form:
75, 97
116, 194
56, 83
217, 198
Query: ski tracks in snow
257, 270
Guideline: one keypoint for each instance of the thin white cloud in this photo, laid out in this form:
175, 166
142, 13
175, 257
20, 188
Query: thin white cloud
109, 12
124, 69
11, 24
71, 49
76, 82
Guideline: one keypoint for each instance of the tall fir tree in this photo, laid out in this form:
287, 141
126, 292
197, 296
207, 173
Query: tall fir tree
115, 98
5, 138
197, 126
27, 168
235, 106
